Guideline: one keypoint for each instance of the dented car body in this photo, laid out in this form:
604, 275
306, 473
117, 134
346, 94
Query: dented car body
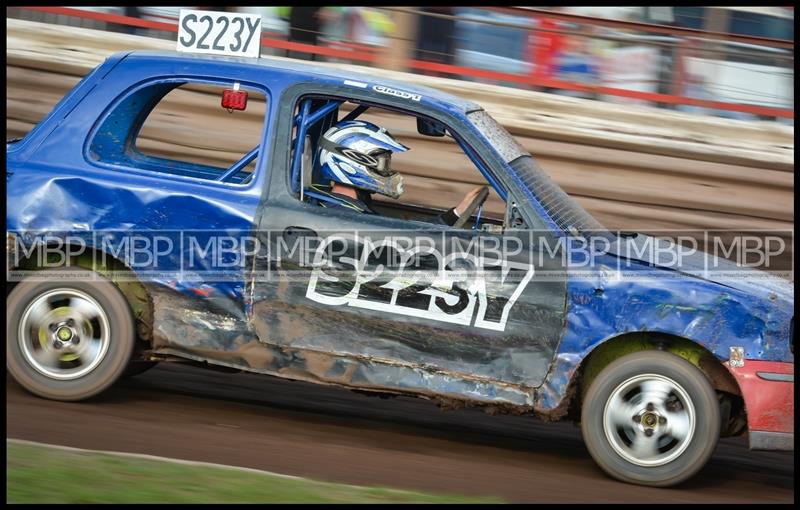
527, 332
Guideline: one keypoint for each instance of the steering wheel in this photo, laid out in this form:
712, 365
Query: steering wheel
479, 199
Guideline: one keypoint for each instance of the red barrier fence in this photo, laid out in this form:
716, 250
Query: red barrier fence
650, 27
369, 54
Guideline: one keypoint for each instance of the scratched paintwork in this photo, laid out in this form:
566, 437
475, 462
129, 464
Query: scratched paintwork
520, 354
59, 183
715, 315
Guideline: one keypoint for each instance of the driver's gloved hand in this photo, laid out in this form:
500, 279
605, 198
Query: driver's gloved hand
448, 217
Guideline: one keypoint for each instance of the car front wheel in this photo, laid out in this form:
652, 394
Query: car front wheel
651, 418
67, 339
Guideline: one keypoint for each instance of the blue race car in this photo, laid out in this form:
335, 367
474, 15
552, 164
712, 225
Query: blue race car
124, 253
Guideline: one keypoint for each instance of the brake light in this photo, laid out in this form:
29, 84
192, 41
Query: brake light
234, 99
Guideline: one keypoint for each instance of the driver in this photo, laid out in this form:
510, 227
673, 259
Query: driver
355, 158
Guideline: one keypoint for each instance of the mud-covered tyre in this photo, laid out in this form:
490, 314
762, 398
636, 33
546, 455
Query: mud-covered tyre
67, 339
651, 418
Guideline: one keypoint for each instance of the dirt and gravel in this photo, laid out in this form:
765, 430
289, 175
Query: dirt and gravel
333, 434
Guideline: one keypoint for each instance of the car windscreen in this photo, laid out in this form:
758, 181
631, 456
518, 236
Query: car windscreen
566, 213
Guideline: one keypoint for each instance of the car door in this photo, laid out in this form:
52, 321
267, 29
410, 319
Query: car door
407, 295
469, 303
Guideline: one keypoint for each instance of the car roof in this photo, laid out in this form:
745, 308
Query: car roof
290, 68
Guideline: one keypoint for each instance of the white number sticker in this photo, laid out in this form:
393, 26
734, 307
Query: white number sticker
219, 33
444, 296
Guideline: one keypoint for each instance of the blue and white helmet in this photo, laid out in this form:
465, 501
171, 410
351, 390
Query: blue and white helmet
359, 154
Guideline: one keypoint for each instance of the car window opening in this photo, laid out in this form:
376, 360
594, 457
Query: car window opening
184, 129
421, 199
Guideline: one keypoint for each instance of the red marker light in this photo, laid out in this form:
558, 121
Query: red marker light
234, 99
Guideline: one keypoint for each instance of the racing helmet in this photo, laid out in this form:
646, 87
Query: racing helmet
359, 154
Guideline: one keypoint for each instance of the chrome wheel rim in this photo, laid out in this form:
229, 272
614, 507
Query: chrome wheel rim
64, 334
649, 420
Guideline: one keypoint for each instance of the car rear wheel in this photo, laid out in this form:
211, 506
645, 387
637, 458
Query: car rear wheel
67, 339
651, 418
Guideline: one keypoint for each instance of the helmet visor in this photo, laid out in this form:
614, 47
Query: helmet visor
383, 160
378, 160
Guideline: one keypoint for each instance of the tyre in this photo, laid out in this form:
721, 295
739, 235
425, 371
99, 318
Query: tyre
651, 418
67, 339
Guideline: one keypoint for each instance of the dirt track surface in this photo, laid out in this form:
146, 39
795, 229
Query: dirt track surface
336, 435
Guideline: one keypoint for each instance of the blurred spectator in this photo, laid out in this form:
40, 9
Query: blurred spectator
695, 86
435, 37
494, 41
336, 23
132, 12
304, 27
364, 25
575, 63
371, 26
343, 26
546, 47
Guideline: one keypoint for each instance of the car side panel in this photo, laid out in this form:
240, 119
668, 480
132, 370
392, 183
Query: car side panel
717, 318
55, 191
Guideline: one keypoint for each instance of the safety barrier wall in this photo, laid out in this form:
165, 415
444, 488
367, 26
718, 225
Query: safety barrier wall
722, 74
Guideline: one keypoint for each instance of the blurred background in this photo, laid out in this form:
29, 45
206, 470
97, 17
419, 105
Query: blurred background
732, 62
652, 118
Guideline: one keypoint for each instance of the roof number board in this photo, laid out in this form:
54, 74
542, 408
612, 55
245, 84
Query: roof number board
219, 33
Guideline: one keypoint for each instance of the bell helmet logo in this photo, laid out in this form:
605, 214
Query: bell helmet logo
396, 93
